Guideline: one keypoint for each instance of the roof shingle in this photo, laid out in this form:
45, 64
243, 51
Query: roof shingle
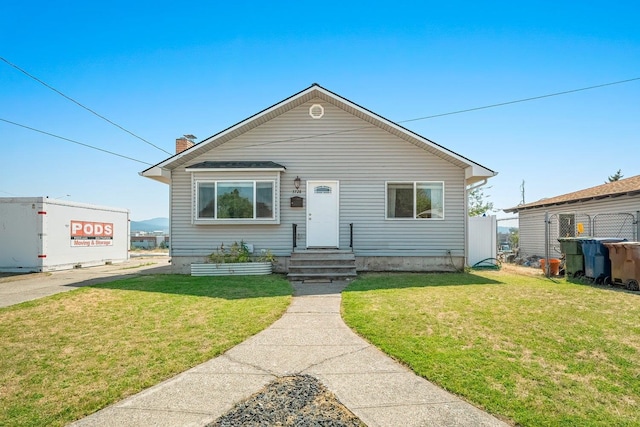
611, 189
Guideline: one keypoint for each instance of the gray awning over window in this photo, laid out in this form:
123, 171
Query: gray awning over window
237, 165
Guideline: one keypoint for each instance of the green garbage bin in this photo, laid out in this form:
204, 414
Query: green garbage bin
571, 248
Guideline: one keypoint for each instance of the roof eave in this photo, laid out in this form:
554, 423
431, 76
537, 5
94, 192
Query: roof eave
175, 158
327, 94
398, 130
475, 173
568, 202
158, 174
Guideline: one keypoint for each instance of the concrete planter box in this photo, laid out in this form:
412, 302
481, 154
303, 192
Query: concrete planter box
232, 269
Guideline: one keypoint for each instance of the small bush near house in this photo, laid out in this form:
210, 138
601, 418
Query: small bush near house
239, 252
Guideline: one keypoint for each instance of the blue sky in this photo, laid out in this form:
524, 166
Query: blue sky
161, 70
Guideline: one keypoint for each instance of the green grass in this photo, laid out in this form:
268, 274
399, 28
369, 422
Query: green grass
530, 350
68, 355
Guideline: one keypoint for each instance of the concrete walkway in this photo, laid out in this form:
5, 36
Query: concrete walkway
310, 338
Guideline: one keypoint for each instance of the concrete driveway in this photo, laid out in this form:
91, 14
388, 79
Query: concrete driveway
26, 287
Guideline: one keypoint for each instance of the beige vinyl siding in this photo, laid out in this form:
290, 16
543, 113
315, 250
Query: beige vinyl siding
339, 147
531, 222
531, 233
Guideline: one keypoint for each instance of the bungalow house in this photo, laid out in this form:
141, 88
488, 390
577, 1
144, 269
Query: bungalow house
607, 210
317, 173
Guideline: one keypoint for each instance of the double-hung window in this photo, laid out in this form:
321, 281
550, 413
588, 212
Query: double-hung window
235, 200
415, 200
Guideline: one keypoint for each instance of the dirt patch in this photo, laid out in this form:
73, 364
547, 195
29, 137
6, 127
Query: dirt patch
521, 269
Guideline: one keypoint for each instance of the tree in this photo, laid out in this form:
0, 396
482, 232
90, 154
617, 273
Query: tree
233, 205
615, 177
514, 237
477, 204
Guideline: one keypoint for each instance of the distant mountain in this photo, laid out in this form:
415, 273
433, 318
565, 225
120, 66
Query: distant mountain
150, 225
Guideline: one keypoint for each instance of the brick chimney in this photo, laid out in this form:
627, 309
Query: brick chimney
184, 143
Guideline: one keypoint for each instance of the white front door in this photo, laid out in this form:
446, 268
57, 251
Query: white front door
322, 214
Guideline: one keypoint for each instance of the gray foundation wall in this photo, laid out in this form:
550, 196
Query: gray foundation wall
182, 264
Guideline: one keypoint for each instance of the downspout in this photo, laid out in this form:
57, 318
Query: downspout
480, 184
466, 218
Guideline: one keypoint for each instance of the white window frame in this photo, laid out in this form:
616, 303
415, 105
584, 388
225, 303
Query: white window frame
275, 219
415, 186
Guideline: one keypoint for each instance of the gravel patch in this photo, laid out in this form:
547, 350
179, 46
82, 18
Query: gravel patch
300, 401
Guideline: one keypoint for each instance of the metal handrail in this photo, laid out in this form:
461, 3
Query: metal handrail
295, 236
351, 236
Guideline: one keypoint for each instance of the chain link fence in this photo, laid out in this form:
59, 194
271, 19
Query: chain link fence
615, 225
611, 225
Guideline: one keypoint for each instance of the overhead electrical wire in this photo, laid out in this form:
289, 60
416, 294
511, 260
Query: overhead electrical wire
75, 142
81, 105
306, 136
501, 104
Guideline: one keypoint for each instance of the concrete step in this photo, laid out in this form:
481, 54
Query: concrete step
336, 270
320, 276
322, 255
322, 264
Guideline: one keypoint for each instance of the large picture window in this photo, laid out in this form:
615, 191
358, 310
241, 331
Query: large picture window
415, 200
235, 200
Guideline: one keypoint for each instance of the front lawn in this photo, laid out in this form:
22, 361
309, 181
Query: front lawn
535, 351
66, 356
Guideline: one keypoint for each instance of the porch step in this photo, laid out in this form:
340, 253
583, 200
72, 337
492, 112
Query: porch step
322, 264
301, 277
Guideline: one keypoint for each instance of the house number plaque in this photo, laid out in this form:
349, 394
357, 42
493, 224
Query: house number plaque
297, 202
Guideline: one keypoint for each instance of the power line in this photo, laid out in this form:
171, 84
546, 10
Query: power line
81, 105
501, 104
450, 113
302, 137
75, 142
465, 111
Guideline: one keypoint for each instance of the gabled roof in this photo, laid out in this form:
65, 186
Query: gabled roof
627, 186
474, 172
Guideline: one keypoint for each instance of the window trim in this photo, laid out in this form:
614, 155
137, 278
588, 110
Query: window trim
415, 186
274, 219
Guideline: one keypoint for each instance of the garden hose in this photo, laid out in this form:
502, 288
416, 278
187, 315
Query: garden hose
487, 264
